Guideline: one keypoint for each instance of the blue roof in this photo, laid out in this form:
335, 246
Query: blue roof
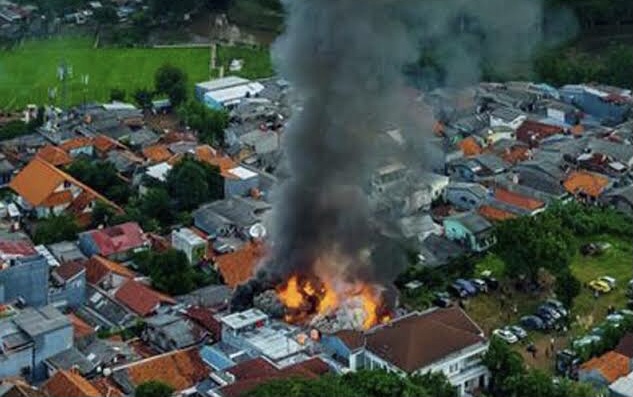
215, 358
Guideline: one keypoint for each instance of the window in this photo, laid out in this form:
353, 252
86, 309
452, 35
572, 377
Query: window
453, 368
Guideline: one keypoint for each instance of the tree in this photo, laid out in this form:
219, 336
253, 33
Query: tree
529, 243
55, 229
103, 177
504, 363
210, 124
191, 183
102, 214
153, 388
567, 287
117, 95
143, 98
106, 15
171, 272
171, 81
156, 204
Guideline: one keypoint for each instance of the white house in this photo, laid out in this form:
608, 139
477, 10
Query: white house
438, 340
194, 246
507, 117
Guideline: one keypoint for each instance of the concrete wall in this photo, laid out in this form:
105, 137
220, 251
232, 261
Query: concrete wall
72, 294
27, 278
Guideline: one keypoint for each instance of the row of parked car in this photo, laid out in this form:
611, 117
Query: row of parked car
463, 289
547, 315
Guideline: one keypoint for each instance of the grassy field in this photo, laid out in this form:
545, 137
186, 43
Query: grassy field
491, 311
27, 73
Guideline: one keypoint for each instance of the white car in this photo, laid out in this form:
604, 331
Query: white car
609, 280
506, 335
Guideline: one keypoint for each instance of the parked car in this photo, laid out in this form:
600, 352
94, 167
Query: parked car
548, 311
557, 305
492, 283
615, 319
467, 285
480, 285
505, 335
609, 280
586, 341
599, 286
532, 322
517, 331
458, 290
442, 299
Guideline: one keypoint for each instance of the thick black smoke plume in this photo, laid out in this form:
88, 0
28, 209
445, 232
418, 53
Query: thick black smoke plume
345, 60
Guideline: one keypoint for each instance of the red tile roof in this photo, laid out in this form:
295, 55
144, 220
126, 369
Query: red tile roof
81, 329
416, 341
532, 132
104, 144
118, 239
140, 298
58, 198
98, 267
209, 155
69, 383
588, 183
255, 368
470, 147
157, 153
180, 369
204, 317
107, 388
310, 369
518, 200
69, 270
39, 180
76, 143
237, 267
495, 214
16, 248
352, 339
610, 365
54, 155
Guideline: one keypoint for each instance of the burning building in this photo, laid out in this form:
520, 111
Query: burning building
345, 61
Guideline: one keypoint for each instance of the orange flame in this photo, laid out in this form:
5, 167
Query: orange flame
290, 295
305, 297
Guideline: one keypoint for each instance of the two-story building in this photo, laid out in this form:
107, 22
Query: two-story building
438, 340
470, 230
25, 279
194, 246
29, 337
115, 243
45, 190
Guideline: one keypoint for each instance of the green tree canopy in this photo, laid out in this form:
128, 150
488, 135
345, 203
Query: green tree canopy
171, 81
191, 183
209, 123
55, 229
153, 388
103, 177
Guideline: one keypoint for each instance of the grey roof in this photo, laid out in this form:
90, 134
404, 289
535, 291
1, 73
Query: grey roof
474, 222
100, 310
416, 225
121, 162
72, 358
438, 250
105, 352
213, 295
179, 332
474, 188
506, 114
492, 162
36, 322
544, 167
238, 211
183, 147
625, 193
66, 251
619, 151
6, 166
143, 137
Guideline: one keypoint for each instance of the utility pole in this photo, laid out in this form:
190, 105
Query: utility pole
64, 73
